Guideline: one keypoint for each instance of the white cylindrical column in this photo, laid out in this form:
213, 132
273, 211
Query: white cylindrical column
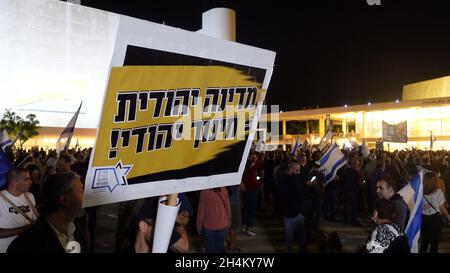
219, 23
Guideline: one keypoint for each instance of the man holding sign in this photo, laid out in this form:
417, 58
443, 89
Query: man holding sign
199, 101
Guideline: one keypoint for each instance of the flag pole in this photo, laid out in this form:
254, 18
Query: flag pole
17, 138
28, 156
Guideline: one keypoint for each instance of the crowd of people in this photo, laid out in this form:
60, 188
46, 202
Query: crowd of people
40, 205
364, 188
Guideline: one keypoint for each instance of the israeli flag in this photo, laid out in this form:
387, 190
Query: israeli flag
331, 162
325, 140
296, 146
413, 196
5, 165
63, 142
355, 145
306, 144
5, 141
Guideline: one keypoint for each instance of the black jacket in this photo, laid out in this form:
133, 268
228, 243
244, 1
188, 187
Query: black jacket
40, 238
398, 246
291, 191
350, 180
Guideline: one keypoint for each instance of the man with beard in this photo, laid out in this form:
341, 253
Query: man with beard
143, 226
63, 164
55, 231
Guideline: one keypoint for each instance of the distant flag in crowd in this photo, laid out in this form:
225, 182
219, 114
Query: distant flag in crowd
413, 196
325, 140
364, 149
327, 123
296, 146
331, 162
261, 146
5, 165
379, 146
351, 145
306, 145
432, 140
66, 135
5, 141
355, 145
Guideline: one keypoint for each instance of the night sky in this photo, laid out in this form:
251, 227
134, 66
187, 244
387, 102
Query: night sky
329, 53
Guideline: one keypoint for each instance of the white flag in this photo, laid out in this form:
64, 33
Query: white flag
263, 147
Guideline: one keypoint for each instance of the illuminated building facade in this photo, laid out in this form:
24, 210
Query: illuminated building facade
425, 107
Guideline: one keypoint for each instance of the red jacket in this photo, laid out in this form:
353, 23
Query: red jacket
214, 211
250, 174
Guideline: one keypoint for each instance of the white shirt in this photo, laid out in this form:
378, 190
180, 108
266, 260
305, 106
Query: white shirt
68, 242
436, 198
10, 218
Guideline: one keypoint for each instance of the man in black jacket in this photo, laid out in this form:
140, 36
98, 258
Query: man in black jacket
314, 191
350, 187
291, 203
55, 231
386, 190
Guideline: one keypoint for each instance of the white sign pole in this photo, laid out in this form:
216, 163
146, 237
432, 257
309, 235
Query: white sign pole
167, 213
219, 23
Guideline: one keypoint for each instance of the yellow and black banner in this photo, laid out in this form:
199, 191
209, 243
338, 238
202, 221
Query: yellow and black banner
173, 122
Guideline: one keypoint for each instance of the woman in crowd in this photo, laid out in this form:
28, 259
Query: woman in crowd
214, 218
433, 213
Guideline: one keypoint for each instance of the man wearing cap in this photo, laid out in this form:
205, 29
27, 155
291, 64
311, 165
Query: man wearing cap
143, 226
